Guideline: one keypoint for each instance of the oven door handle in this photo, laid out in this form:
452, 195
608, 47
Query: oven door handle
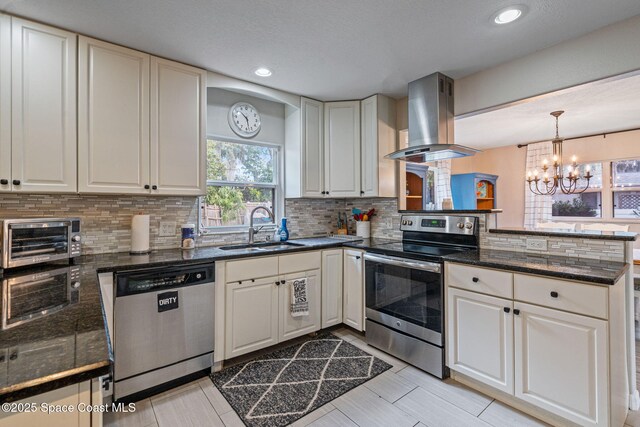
400, 262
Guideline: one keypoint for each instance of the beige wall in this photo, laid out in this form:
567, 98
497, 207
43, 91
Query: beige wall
509, 164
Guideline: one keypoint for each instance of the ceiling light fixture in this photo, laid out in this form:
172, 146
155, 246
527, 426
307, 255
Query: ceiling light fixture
550, 184
263, 72
508, 15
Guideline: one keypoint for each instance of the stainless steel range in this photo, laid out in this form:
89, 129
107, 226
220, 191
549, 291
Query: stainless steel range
404, 288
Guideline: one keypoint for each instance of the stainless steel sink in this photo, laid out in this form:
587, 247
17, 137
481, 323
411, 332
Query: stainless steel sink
261, 247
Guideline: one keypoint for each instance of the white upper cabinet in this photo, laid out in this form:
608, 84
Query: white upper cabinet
378, 138
304, 149
113, 118
141, 123
43, 108
342, 149
178, 131
5, 103
312, 147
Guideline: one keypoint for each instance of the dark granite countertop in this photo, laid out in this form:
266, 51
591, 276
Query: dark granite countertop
581, 234
580, 269
65, 347
76, 338
453, 211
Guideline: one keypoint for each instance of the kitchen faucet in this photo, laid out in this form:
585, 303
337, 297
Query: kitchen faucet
253, 231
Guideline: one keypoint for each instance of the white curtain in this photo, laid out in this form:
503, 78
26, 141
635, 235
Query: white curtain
537, 208
443, 182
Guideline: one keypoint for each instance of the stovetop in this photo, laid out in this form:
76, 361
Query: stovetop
414, 250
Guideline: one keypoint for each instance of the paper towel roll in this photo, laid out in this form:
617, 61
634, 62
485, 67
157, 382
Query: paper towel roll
140, 234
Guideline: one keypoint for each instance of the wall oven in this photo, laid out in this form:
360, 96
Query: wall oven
34, 241
404, 288
33, 295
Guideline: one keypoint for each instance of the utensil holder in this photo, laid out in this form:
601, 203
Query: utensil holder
363, 229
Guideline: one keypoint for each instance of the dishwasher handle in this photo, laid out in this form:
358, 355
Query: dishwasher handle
157, 279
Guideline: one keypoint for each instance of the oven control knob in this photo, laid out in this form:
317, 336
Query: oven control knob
410, 222
75, 285
469, 225
460, 225
404, 222
76, 238
398, 323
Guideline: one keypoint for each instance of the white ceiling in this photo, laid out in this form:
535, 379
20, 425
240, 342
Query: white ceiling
599, 107
330, 49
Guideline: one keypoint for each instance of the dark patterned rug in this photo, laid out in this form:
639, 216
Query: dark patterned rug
278, 388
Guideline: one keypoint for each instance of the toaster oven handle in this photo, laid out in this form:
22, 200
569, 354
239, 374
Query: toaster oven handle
401, 262
43, 224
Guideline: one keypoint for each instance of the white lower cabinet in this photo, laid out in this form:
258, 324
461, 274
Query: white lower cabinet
568, 365
258, 309
331, 287
75, 396
561, 363
353, 289
480, 338
251, 315
290, 326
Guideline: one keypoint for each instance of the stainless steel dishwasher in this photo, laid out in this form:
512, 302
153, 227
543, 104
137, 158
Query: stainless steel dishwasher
163, 328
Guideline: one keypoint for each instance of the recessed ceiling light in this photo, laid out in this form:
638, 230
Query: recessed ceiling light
508, 15
263, 72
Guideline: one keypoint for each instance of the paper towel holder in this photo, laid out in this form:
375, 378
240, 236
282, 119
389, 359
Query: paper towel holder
140, 235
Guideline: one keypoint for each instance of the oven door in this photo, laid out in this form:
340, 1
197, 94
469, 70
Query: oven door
31, 242
406, 295
32, 296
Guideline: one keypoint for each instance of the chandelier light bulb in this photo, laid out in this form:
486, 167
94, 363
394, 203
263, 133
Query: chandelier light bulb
535, 172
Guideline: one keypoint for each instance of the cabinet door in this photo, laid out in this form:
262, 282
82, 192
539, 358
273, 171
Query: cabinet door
178, 152
43, 80
113, 119
331, 287
369, 147
342, 148
480, 337
5, 103
311, 115
72, 395
291, 327
561, 363
251, 315
353, 290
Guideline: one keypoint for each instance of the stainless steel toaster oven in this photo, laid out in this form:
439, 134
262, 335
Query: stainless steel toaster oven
38, 240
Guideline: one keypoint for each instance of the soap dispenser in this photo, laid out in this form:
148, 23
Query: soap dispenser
284, 233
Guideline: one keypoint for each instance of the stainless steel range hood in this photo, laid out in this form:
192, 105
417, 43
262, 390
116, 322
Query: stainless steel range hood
431, 122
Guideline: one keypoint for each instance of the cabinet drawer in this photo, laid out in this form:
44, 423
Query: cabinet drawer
484, 280
300, 262
575, 297
251, 268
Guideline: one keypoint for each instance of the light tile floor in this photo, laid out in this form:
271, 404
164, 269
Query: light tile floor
402, 396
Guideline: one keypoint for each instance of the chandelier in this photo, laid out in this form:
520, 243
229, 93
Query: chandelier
553, 177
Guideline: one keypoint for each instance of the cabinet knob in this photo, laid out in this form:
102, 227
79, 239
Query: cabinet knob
475, 280
4, 181
154, 187
323, 192
361, 192
16, 182
146, 187
506, 309
277, 283
516, 311
554, 294
357, 257
282, 282
253, 280
13, 356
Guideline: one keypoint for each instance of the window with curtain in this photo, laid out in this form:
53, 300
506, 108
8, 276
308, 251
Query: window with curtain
587, 204
625, 178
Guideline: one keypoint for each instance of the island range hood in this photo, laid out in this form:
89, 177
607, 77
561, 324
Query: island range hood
431, 122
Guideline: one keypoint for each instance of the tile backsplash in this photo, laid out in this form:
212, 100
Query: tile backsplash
106, 219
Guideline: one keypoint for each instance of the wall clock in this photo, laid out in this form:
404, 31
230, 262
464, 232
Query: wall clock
244, 119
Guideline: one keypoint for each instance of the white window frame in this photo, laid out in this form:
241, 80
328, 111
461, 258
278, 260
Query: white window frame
606, 199
278, 186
